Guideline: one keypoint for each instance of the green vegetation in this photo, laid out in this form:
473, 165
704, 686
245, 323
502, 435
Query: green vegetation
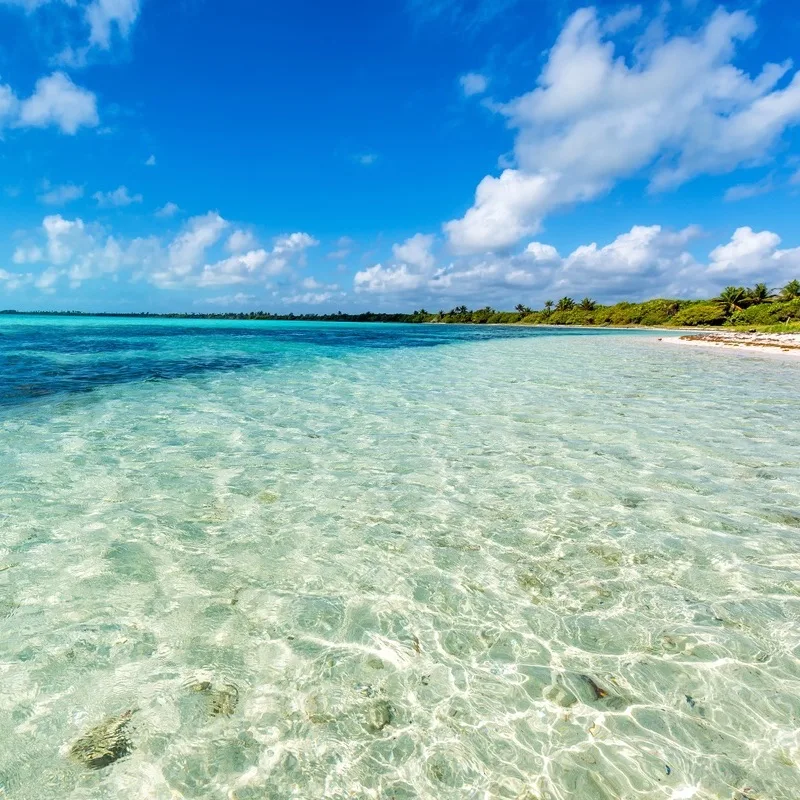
755, 308
736, 306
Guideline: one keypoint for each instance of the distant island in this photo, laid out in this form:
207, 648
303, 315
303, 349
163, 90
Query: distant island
757, 307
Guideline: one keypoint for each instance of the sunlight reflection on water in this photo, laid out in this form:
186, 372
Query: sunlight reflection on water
512, 566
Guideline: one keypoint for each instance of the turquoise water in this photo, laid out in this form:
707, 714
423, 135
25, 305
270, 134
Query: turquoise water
418, 561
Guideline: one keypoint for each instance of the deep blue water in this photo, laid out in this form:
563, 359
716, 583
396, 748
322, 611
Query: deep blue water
45, 356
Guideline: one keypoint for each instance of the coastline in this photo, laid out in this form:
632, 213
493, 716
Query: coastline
781, 345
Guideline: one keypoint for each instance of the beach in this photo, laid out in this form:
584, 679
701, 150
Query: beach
781, 345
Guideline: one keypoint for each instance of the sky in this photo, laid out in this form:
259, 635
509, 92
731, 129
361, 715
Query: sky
190, 155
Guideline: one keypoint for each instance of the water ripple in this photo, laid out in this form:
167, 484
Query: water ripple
531, 568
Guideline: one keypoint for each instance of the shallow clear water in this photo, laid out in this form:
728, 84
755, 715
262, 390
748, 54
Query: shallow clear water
430, 561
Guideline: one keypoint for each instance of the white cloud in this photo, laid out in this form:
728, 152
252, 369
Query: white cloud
238, 299
101, 17
193, 257
241, 240
64, 238
8, 105
678, 108
310, 298
473, 83
187, 263
13, 280
641, 262
344, 245
542, 253
72, 57
387, 280
755, 256
744, 191
416, 251
28, 255
622, 19
312, 284
241, 268
366, 159
294, 243
76, 251
105, 15
150, 162
60, 195
502, 213
168, 210
119, 198
646, 255
47, 280
56, 101
27, 5
187, 251
795, 179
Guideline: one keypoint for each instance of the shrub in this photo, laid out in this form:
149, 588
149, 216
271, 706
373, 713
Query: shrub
703, 313
767, 313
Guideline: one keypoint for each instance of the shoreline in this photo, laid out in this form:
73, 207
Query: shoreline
781, 345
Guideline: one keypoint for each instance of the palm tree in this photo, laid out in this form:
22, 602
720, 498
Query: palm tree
548, 307
587, 304
521, 309
760, 293
565, 304
732, 298
791, 291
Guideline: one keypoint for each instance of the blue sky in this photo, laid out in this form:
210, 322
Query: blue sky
201, 156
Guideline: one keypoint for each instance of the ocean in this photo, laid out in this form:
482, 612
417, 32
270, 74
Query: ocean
310, 560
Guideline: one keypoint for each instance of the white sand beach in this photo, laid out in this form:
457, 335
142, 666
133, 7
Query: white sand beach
782, 345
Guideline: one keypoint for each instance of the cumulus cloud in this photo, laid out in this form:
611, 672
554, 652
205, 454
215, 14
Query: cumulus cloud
60, 195
646, 261
379, 279
752, 255
56, 101
150, 161
119, 198
75, 250
241, 268
415, 251
676, 108
187, 262
294, 243
366, 159
473, 83
186, 252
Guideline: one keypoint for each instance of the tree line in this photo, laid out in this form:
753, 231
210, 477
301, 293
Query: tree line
736, 305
